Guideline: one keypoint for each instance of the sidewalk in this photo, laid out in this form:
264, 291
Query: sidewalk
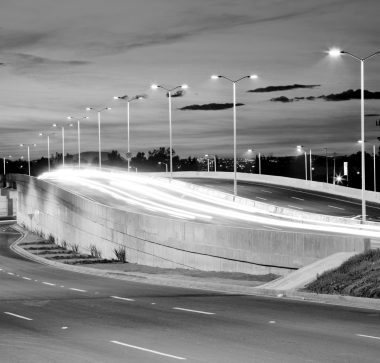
218, 282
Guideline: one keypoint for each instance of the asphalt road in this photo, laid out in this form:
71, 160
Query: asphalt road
51, 315
300, 199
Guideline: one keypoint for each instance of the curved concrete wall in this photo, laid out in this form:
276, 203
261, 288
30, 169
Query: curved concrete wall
167, 242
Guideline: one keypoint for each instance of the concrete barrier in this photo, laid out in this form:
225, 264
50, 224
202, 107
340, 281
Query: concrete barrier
166, 242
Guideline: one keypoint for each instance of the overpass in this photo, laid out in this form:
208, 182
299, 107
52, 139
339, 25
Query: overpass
182, 226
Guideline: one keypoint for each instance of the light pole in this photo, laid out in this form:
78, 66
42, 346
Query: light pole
99, 141
169, 93
374, 167
48, 147
5, 160
252, 76
63, 140
300, 149
166, 165
128, 100
208, 156
336, 53
327, 166
28, 147
78, 130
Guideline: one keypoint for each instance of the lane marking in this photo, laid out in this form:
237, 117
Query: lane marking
260, 198
26, 278
64, 327
147, 350
35, 280
1, 269
293, 206
10, 273
333, 206
122, 298
72, 288
275, 228
194, 311
48, 283
368, 336
297, 198
17, 316
266, 191
61, 286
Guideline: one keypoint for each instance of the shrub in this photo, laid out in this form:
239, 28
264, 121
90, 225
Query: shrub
51, 238
74, 247
64, 244
120, 254
95, 252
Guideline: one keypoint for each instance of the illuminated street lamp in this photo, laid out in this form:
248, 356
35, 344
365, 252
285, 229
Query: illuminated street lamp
169, 93
336, 53
28, 147
63, 139
252, 76
100, 147
78, 130
300, 149
208, 157
48, 146
128, 100
166, 165
5, 160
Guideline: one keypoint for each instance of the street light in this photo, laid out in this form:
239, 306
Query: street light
78, 128
374, 164
336, 53
28, 147
252, 76
100, 147
208, 157
48, 146
128, 100
166, 165
63, 139
300, 149
5, 160
169, 92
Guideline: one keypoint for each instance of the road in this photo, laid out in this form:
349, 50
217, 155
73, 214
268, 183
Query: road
288, 197
51, 315
159, 197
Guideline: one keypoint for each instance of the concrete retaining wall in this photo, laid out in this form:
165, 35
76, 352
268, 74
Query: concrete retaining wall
166, 242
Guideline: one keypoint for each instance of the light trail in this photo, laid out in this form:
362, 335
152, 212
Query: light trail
162, 196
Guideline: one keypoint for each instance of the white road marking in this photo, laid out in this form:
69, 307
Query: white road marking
194, 311
17, 316
10, 273
35, 280
275, 228
297, 198
266, 191
260, 198
272, 322
368, 336
147, 350
48, 283
1, 269
293, 206
333, 206
64, 327
72, 288
152, 303
122, 298
26, 278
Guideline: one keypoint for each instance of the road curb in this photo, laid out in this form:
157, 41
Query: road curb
338, 300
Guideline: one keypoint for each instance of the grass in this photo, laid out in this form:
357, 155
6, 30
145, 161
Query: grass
359, 276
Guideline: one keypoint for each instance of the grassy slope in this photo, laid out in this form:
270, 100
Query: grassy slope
358, 276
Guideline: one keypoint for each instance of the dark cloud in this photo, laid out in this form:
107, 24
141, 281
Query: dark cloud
15, 39
372, 115
210, 106
179, 93
283, 99
283, 88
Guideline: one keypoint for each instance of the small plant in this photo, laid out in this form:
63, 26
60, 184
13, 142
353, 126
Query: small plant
120, 254
95, 252
74, 247
51, 238
64, 244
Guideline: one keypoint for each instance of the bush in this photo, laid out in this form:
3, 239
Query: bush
120, 253
51, 238
74, 247
64, 244
95, 252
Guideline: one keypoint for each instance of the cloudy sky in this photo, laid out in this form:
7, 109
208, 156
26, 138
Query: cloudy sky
58, 57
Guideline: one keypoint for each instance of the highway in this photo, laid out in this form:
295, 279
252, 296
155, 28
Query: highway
51, 315
158, 196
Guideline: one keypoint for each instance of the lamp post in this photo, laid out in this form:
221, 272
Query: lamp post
374, 164
208, 157
78, 131
5, 160
128, 100
169, 93
166, 165
300, 149
337, 53
48, 146
63, 139
28, 147
252, 76
99, 141
327, 166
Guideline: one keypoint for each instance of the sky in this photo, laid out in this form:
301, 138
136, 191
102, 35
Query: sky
59, 57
